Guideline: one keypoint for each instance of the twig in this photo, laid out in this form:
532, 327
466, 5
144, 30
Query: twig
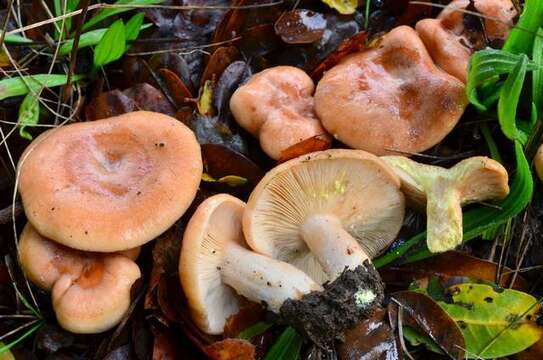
75, 47
5, 24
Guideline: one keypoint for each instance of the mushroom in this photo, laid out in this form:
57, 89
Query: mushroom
276, 105
448, 40
215, 266
90, 291
445, 191
391, 98
325, 212
538, 162
111, 184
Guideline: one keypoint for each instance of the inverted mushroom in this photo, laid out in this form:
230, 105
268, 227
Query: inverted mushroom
325, 211
276, 105
391, 98
111, 184
448, 40
90, 291
215, 266
445, 191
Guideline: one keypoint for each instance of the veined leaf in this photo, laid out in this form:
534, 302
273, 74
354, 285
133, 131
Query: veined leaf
111, 46
29, 113
105, 13
495, 322
133, 26
485, 69
509, 99
17, 86
344, 7
537, 76
287, 347
521, 38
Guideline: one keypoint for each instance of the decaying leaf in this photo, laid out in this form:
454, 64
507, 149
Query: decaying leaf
218, 62
315, 143
344, 7
177, 88
231, 349
230, 180
425, 315
205, 102
495, 322
371, 339
300, 26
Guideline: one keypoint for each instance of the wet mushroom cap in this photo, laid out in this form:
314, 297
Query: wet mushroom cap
111, 184
276, 105
447, 38
355, 188
390, 98
90, 291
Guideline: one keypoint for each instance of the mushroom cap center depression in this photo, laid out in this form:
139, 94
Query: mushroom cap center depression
111, 163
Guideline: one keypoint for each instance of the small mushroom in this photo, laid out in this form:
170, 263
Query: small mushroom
445, 191
112, 184
325, 212
90, 291
276, 105
215, 266
391, 98
538, 162
448, 40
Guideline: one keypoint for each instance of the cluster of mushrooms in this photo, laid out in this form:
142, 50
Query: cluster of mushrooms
302, 245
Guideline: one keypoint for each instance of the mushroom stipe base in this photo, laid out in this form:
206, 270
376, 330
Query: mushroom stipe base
324, 315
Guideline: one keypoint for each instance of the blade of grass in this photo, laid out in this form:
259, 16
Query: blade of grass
257, 329
27, 333
521, 39
103, 14
537, 76
287, 347
16, 39
16, 86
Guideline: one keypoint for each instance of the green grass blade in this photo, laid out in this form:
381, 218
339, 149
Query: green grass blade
16, 86
257, 329
521, 39
16, 39
103, 14
537, 76
27, 333
287, 347
509, 99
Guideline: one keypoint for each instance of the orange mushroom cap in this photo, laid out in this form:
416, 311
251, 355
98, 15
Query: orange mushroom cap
276, 105
90, 291
111, 184
390, 98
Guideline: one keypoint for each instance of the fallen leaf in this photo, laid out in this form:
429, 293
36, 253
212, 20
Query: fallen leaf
353, 44
300, 26
246, 317
231, 349
177, 88
108, 104
51, 338
446, 265
165, 346
149, 98
315, 143
344, 7
205, 102
218, 62
121, 353
424, 314
259, 40
371, 339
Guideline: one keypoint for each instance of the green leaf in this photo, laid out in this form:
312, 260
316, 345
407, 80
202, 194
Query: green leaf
205, 102
485, 69
230, 180
133, 26
257, 329
416, 339
287, 347
17, 86
495, 322
344, 7
537, 76
521, 39
29, 114
105, 13
111, 46
509, 99
15, 39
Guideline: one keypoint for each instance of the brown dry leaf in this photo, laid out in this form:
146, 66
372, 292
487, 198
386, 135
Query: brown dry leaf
177, 88
315, 143
300, 26
371, 339
231, 23
354, 44
259, 40
149, 98
165, 346
246, 317
108, 104
427, 317
446, 265
218, 62
231, 349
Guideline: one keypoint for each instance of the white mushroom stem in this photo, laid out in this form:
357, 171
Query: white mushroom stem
334, 248
263, 279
